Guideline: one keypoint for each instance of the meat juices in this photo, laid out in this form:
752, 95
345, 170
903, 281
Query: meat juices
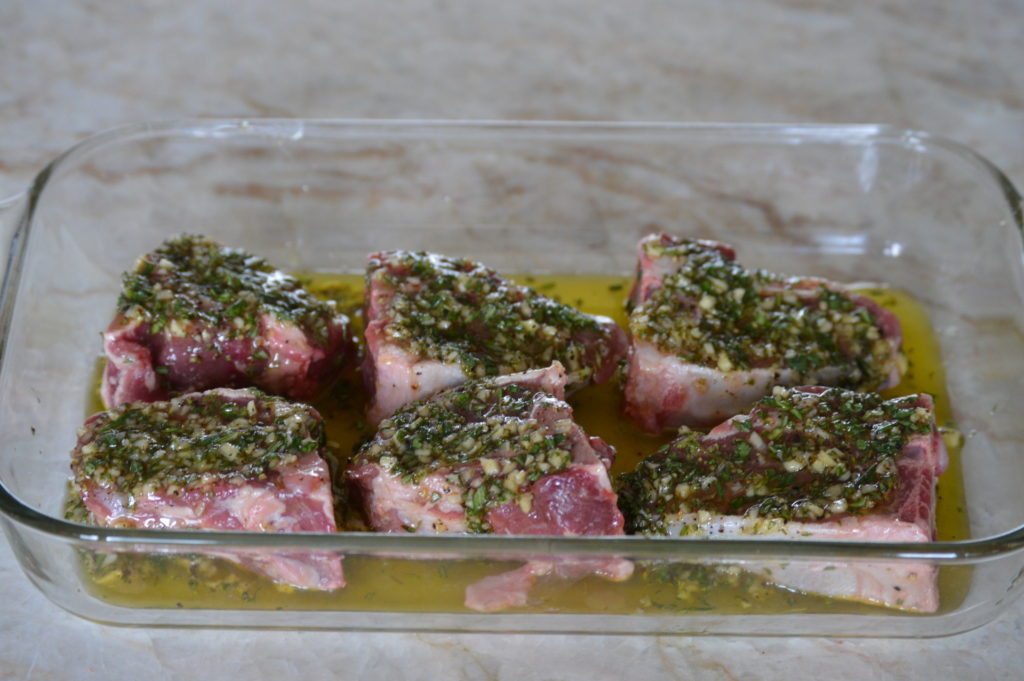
433, 322
808, 463
710, 337
493, 455
195, 315
219, 460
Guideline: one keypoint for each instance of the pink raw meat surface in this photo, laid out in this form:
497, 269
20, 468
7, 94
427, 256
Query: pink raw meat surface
494, 455
195, 315
806, 464
219, 460
709, 337
433, 322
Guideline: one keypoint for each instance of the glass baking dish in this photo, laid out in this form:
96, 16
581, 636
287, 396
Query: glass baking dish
853, 203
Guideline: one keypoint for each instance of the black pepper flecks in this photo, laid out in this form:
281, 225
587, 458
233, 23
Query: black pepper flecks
483, 437
797, 456
460, 312
713, 312
193, 280
193, 440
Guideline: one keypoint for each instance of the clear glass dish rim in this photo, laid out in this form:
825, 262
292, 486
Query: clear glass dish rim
944, 552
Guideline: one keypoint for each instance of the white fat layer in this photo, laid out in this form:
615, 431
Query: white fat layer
431, 507
671, 392
400, 379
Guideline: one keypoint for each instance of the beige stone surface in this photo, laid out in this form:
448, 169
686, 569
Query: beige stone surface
70, 69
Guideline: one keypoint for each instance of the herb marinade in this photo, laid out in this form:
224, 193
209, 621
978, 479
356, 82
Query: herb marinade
459, 312
379, 583
716, 313
194, 440
193, 280
483, 437
798, 456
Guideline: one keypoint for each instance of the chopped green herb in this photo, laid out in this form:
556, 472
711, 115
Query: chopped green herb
839, 458
199, 439
460, 312
713, 312
482, 437
192, 282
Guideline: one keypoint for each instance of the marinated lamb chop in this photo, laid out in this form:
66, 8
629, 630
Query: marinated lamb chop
433, 322
710, 337
218, 460
195, 315
493, 455
816, 463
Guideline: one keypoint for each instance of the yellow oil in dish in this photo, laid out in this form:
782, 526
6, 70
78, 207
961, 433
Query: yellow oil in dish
397, 584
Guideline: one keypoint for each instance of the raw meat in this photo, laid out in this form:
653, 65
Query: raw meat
710, 337
493, 455
218, 460
195, 315
511, 589
814, 463
432, 322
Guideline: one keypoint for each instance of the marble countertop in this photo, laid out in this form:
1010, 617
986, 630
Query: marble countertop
70, 69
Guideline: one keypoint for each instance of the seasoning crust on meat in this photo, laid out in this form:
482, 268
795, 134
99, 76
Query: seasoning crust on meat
798, 455
494, 455
435, 321
440, 435
814, 463
223, 459
717, 313
481, 457
194, 440
194, 315
710, 336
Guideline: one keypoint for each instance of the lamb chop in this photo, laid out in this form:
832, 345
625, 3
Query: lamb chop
220, 460
493, 455
433, 322
811, 462
711, 337
195, 315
